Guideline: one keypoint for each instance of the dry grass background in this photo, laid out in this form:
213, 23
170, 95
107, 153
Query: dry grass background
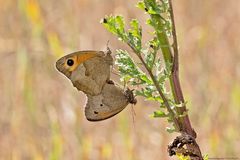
42, 114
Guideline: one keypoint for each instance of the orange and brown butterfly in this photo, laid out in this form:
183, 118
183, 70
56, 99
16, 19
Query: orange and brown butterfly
87, 70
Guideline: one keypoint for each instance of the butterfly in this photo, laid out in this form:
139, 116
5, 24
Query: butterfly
108, 103
89, 72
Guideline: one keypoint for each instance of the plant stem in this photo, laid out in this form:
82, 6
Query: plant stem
178, 95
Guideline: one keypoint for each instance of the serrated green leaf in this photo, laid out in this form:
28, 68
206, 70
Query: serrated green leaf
149, 57
125, 63
135, 36
154, 43
115, 25
146, 79
148, 93
141, 5
109, 25
149, 21
152, 7
120, 24
151, 99
151, 11
128, 68
159, 114
135, 29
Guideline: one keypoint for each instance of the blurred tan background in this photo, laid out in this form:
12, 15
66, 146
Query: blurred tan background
41, 114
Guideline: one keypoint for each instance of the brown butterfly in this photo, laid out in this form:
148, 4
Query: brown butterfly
89, 71
108, 103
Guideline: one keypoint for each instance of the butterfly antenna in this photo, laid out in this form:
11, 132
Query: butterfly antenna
108, 43
108, 49
133, 115
133, 110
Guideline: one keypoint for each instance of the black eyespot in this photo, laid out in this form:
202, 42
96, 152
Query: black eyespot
95, 112
70, 62
101, 104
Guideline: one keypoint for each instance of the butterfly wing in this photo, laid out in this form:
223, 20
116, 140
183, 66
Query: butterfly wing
110, 102
85, 83
98, 73
89, 72
76, 58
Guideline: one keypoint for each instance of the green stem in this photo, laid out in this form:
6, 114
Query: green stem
184, 123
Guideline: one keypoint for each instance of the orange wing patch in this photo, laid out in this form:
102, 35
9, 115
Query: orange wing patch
78, 59
83, 57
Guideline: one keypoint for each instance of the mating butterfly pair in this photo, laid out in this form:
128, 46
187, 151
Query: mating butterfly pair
89, 71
